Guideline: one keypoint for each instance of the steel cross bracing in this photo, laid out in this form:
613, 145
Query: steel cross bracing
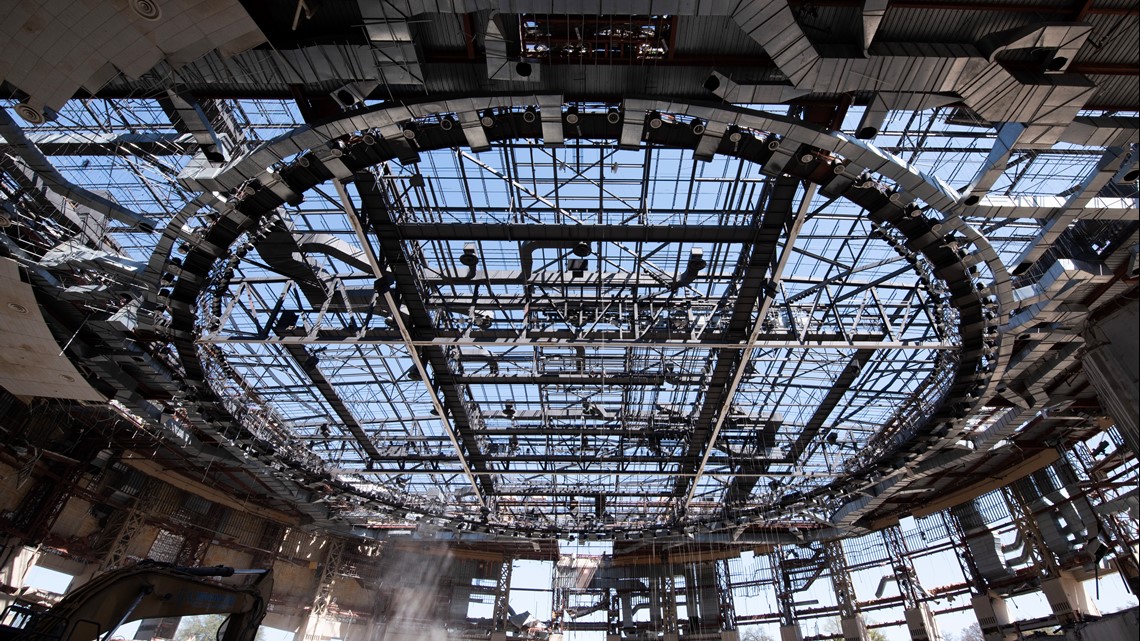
501, 611
902, 567
785, 593
334, 567
726, 602
845, 595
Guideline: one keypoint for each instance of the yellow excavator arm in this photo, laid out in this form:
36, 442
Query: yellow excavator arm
153, 590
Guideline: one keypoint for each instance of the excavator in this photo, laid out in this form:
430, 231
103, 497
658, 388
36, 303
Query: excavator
148, 590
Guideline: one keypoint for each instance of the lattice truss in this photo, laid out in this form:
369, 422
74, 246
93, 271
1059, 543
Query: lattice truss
584, 376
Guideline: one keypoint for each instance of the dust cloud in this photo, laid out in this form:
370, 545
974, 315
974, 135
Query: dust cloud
411, 595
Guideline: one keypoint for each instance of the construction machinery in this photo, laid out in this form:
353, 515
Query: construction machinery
148, 590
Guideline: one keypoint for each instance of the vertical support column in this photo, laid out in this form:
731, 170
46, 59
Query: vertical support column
850, 620
558, 604
501, 612
41, 506
709, 597
669, 606
919, 620
148, 498
692, 600
613, 615
726, 603
1112, 350
993, 617
332, 568
657, 598
272, 535
789, 628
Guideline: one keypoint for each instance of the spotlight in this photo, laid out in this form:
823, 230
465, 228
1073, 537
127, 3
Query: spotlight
530, 115
613, 116
487, 119
571, 115
735, 135
655, 121
447, 123
509, 410
410, 130
697, 126
582, 249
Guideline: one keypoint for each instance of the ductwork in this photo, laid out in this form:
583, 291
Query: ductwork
1110, 363
526, 252
500, 66
51, 177
469, 258
474, 353
1049, 292
989, 555
387, 26
692, 269
1102, 131
84, 223
873, 13
188, 116
1048, 103
1107, 168
73, 254
1065, 39
330, 245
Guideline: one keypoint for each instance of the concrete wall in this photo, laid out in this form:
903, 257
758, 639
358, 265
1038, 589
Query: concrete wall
1112, 364
1119, 626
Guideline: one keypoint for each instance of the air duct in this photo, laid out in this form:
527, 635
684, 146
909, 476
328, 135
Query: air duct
500, 66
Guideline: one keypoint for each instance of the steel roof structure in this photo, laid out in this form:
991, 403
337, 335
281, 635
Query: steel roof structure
725, 271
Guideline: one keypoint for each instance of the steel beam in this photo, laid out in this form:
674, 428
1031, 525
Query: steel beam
376, 206
601, 339
375, 202
755, 290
